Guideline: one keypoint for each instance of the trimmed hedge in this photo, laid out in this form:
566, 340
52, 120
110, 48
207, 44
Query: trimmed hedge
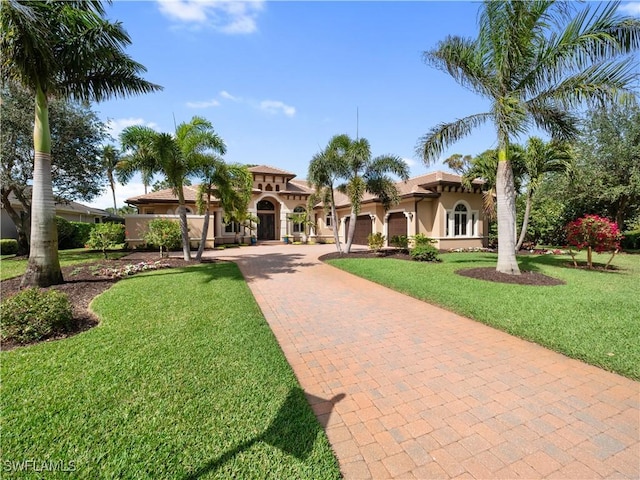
631, 240
8, 246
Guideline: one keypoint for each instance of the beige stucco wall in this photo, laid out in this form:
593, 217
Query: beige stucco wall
137, 225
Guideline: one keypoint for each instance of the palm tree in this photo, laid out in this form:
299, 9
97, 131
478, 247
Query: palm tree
138, 156
325, 169
533, 72
540, 158
176, 156
110, 160
69, 50
231, 184
364, 174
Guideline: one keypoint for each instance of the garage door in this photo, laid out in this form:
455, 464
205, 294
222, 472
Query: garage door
363, 229
397, 225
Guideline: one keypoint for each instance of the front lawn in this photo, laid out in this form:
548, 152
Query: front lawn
594, 317
11, 266
182, 379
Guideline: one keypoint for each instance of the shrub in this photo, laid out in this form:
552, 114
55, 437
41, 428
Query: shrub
421, 239
400, 241
81, 234
631, 240
164, 234
424, 253
376, 241
65, 233
35, 314
8, 246
593, 233
106, 235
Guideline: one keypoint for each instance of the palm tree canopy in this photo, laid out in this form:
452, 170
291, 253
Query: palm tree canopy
68, 49
533, 70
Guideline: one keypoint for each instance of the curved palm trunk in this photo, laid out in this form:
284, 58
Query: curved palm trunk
113, 191
334, 219
505, 191
205, 229
43, 268
184, 229
352, 229
525, 220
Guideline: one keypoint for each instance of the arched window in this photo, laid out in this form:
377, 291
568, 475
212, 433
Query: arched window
461, 221
299, 213
259, 186
266, 205
269, 187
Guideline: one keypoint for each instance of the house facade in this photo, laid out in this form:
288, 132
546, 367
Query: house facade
435, 204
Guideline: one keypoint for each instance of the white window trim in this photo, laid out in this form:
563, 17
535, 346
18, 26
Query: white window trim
472, 226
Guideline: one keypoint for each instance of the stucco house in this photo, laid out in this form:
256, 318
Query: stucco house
435, 204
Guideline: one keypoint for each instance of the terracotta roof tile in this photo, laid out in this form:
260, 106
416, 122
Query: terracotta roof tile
269, 170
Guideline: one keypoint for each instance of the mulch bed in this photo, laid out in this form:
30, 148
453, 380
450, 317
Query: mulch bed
82, 284
484, 273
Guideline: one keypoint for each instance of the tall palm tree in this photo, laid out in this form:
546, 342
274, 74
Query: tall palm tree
231, 184
176, 156
325, 169
69, 50
534, 63
110, 159
138, 156
540, 158
365, 174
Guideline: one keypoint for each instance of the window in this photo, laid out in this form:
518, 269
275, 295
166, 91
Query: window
328, 221
277, 188
265, 205
259, 186
96, 220
269, 188
232, 227
461, 221
299, 212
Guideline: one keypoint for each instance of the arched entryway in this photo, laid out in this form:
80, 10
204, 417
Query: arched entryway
267, 220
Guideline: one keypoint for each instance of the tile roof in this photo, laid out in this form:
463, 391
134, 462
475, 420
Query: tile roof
268, 169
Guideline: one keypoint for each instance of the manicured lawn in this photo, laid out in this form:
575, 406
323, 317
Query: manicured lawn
182, 379
594, 317
11, 267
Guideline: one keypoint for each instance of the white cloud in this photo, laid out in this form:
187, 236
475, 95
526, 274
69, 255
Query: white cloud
409, 161
117, 125
225, 16
204, 104
228, 96
275, 106
631, 8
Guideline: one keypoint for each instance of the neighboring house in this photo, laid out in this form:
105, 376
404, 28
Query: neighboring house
435, 204
72, 211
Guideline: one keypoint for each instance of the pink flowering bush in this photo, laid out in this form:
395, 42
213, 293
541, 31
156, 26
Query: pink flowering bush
592, 232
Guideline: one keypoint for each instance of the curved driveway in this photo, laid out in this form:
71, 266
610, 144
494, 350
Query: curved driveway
408, 390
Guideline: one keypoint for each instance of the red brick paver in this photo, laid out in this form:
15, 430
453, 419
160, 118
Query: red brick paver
420, 392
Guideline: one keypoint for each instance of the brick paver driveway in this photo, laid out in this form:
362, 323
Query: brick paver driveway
414, 391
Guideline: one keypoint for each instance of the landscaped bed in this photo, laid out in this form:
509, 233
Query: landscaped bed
591, 315
182, 378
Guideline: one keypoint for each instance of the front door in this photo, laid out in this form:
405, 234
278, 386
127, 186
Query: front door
267, 226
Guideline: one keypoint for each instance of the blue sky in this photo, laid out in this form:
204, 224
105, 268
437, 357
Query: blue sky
278, 79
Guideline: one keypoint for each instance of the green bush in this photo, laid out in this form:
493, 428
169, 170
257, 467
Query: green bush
81, 233
376, 241
105, 236
8, 246
424, 253
164, 234
400, 241
65, 233
421, 239
630, 241
35, 314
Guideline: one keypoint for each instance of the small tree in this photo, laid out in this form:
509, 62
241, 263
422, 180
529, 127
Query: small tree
593, 233
164, 233
106, 235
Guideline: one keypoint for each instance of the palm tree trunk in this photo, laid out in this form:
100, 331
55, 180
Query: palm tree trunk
525, 220
205, 228
505, 191
352, 229
113, 192
334, 219
43, 268
184, 229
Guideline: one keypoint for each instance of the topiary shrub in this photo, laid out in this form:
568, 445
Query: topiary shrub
35, 314
424, 253
105, 236
376, 241
593, 232
8, 246
631, 240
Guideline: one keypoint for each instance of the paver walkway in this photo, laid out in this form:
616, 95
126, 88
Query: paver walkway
414, 391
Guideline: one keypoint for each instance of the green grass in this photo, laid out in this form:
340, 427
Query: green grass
14, 267
182, 379
594, 317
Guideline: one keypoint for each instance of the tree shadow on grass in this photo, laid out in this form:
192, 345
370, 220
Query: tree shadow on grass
293, 430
